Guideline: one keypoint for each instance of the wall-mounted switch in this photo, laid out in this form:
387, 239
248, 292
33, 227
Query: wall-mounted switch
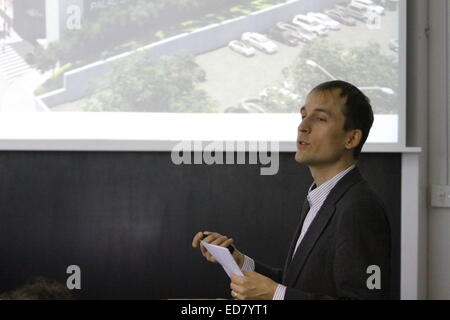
440, 196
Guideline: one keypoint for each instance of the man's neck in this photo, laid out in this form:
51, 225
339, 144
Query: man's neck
322, 174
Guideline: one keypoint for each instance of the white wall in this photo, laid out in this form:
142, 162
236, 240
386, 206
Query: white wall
439, 149
417, 124
428, 112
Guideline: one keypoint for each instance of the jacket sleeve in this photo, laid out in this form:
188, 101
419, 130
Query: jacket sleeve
363, 252
275, 274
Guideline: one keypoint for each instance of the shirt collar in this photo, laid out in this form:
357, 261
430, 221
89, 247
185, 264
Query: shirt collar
317, 195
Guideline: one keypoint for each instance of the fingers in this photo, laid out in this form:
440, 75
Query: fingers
216, 239
236, 279
236, 291
252, 286
235, 287
212, 238
236, 296
222, 241
196, 240
227, 243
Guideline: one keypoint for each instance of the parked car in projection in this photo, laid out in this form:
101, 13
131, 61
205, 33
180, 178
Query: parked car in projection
282, 36
241, 48
371, 6
310, 24
297, 32
341, 17
326, 20
253, 105
304, 32
357, 11
260, 42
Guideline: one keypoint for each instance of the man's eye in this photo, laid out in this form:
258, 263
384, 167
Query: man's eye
322, 119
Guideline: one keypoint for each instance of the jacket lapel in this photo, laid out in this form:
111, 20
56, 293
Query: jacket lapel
294, 267
303, 214
308, 242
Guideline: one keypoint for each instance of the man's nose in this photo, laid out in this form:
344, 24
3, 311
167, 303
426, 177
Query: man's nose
303, 127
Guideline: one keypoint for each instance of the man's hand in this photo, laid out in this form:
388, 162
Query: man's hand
252, 286
218, 240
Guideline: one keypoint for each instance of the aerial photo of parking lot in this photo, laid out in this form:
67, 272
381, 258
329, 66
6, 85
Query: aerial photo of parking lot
260, 56
234, 78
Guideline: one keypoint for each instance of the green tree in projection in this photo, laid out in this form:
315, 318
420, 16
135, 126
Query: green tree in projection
46, 59
137, 84
109, 31
110, 28
364, 66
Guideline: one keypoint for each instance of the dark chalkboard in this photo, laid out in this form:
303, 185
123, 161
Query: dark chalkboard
128, 218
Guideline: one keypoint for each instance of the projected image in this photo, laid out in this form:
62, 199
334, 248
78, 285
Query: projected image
193, 56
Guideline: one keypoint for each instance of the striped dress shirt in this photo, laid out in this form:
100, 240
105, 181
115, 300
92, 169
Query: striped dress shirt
316, 197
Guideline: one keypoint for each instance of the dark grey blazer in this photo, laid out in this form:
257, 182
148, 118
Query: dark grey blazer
350, 233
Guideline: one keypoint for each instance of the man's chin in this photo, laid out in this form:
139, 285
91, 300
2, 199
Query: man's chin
299, 157
302, 158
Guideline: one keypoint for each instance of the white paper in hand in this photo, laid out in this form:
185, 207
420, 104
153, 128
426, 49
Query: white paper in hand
224, 257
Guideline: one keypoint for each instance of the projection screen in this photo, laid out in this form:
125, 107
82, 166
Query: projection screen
143, 75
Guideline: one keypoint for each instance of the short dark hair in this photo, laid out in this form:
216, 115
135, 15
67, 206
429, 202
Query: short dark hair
357, 109
39, 288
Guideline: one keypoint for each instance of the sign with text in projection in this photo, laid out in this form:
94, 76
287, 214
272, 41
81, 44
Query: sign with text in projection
235, 71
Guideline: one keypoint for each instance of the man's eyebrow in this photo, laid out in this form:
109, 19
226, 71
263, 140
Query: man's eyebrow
303, 109
322, 110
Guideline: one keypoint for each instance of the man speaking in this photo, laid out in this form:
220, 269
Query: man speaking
343, 234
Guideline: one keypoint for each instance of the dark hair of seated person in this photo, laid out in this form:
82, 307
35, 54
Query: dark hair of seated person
39, 288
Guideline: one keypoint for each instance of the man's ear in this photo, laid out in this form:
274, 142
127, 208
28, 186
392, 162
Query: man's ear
353, 138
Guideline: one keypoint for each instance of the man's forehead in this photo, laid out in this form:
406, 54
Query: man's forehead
325, 99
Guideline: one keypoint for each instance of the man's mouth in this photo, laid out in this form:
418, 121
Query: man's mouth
302, 144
